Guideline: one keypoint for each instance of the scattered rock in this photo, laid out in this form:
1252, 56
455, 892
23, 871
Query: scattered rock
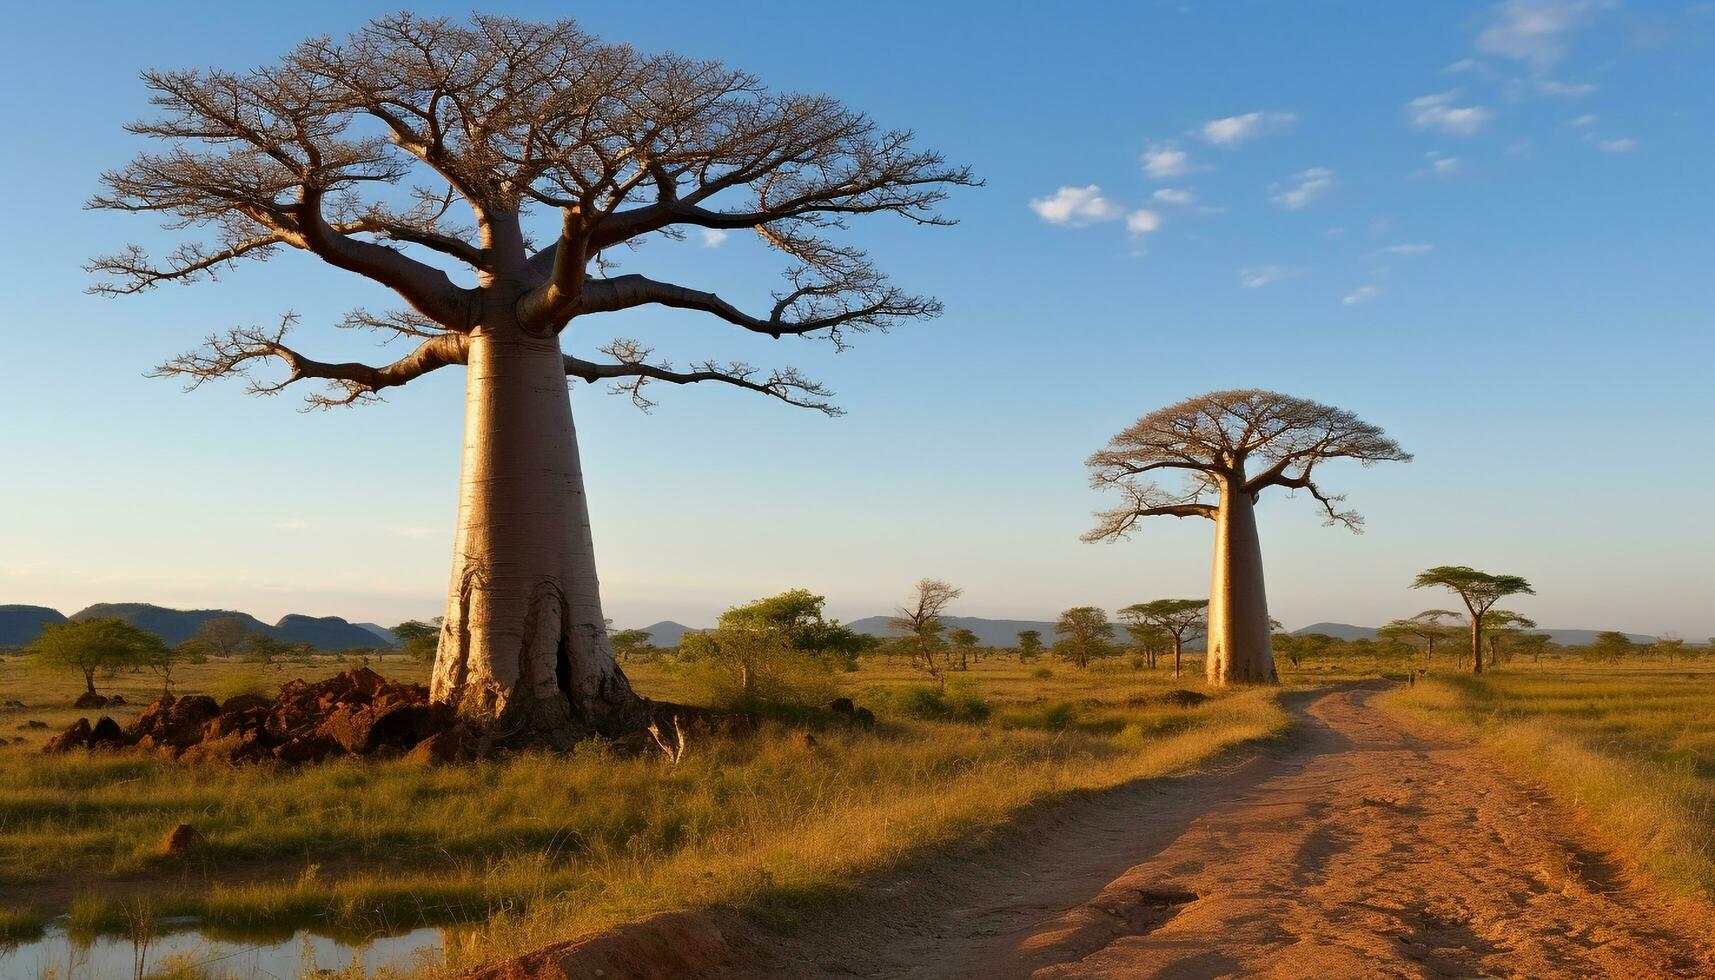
243, 702
180, 840
864, 717
89, 699
75, 737
841, 706
809, 740
456, 744
117, 701
34, 723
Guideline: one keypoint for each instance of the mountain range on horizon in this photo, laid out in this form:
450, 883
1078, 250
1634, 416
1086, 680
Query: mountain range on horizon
20, 624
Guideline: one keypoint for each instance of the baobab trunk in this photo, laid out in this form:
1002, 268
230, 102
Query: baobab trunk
1240, 649
524, 648
1476, 642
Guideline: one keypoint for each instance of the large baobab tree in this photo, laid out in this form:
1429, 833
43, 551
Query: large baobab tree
1479, 591
485, 172
1231, 446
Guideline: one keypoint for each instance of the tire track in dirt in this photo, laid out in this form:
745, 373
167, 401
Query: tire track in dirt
1361, 847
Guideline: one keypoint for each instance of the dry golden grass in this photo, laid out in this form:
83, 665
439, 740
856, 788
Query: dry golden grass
538, 847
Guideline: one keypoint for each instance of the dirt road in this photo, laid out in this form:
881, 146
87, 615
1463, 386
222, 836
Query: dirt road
1362, 848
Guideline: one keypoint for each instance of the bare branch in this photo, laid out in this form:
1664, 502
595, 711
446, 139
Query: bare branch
632, 372
1146, 500
238, 352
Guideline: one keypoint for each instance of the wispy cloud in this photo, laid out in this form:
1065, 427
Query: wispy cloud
712, 237
1256, 277
1233, 130
1440, 165
1408, 248
1582, 122
1363, 294
1076, 206
1303, 188
1624, 144
1438, 112
1175, 195
1565, 90
1166, 160
1537, 32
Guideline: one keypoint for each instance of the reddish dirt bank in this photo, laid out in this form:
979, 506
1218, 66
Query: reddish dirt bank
1363, 849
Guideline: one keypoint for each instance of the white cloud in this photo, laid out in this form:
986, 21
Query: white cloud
1518, 148
1438, 112
1441, 166
1164, 160
1256, 277
1409, 248
1538, 32
1621, 145
1142, 221
712, 237
1233, 130
1582, 122
1175, 195
1363, 294
1076, 206
1304, 187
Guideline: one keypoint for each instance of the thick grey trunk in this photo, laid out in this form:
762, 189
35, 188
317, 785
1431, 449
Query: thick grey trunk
524, 649
1240, 649
1476, 642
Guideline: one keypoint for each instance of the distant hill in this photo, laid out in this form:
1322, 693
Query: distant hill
20, 625
178, 625
1563, 637
386, 634
667, 633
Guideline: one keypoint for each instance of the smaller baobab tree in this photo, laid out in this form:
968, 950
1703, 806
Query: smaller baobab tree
920, 624
1429, 626
1479, 591
1231, 446
1180, 619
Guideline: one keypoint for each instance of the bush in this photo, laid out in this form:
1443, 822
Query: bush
1042, 673
234, 683
953, 703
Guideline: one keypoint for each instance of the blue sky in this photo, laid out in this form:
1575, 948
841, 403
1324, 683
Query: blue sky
1484, 227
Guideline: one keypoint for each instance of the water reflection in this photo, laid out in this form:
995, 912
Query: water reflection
189, 953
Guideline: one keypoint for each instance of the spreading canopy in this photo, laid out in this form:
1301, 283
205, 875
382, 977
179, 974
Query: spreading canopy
1250, 439
1478, 590
365, 152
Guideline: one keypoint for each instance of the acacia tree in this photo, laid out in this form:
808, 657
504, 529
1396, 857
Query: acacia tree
1180, 619
1087, 635
920, 623
965, 642
1499, 624
95, 646
1426, 626
1231, 446
1029, 645
516, 122
1479, 591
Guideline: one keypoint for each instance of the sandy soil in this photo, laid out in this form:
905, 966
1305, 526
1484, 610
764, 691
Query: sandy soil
1363, 848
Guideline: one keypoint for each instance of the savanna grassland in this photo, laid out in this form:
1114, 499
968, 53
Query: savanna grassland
539, 847
1631, 747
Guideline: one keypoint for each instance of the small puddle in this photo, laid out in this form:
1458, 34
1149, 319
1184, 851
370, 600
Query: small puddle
58, 955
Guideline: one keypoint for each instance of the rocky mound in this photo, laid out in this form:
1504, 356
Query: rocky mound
358, 712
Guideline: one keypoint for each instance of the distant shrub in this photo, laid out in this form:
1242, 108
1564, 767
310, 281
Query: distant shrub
954, 703
1056, 717
1137, 662
1042, 673
236, 682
